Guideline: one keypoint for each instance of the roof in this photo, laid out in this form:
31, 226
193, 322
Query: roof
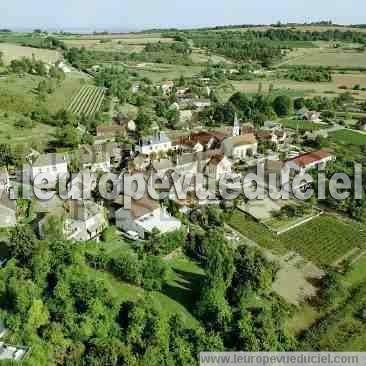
310, 158
216, 159
94, 154
143, 207
157, 139
202, 137
193, 157
6, 202
247, 139
51, 159
110, 130
162, 164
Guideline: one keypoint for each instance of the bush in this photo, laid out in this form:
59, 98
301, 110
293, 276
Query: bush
23, 122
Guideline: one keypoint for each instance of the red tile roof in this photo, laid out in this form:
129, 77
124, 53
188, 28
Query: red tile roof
310, 158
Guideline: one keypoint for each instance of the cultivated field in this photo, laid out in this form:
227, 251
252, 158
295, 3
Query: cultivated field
14, 52
87, 101
322, 240
347, 137
333, 58
159, 72
296, 88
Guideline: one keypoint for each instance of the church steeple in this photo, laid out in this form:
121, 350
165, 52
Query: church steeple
236, 128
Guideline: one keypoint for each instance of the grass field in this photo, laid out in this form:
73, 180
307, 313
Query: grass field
159, 72
322, 240
331, 57
87, 101
184, 281
126, 292
301, 125
14, 52
295, 88
38, 134
22, 89
348, 137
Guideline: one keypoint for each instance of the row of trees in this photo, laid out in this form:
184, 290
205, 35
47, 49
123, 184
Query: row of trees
308, 73
257, 109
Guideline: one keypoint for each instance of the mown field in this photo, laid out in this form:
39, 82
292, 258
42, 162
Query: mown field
87, 101
15, 52
322, 240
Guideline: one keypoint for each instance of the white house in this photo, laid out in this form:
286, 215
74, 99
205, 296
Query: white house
240, 147
305, 162
144, 216
55, 165
218, 166
85, 220
155, 144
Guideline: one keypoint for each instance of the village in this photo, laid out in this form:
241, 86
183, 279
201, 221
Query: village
215, 153
224, 248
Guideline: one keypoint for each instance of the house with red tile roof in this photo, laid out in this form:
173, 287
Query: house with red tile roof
305, 162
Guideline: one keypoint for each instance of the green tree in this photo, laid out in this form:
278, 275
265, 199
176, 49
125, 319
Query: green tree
283, 105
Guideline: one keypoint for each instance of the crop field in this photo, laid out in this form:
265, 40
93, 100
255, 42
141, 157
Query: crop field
14, 52
347, 137
87, 101
301, 125
159, 72
322, 240
296, 88
333, 58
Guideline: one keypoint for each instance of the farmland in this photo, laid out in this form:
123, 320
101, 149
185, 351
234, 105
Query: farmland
348, 137
322, 240
14, 52
39, 134
332, 58
87, 101
301, 125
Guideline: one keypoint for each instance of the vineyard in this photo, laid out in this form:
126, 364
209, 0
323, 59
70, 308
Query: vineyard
322, 240
87, 101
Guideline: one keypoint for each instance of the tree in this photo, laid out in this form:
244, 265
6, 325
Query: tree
23, 243
283, 105
37, 316
6, 156
53, 228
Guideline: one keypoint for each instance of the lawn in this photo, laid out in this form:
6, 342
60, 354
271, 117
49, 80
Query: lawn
184, 281
323, 240
348, 137
125, 292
